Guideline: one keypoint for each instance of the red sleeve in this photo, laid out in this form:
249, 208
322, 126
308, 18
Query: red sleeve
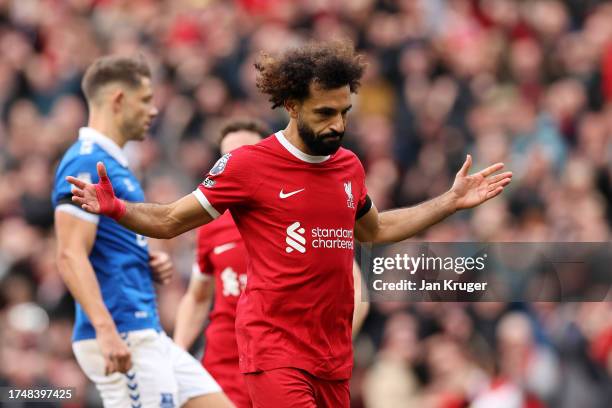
363, 202
228, 184
203, 251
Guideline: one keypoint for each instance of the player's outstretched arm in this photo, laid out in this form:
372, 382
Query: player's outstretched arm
153, 220
468, 190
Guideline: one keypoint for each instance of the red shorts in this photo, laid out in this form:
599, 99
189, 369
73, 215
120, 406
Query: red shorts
292, 387
231, 380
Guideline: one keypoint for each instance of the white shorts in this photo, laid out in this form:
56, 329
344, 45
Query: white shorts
163, 375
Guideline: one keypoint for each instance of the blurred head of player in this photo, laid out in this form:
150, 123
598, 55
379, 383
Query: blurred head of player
119, 94
314, 83
241, 132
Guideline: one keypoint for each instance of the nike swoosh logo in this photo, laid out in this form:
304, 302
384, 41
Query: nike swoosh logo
285, 195
222, 248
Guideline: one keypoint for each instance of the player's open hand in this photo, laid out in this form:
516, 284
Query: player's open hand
97, 198
117, 356
471, 190
161, 266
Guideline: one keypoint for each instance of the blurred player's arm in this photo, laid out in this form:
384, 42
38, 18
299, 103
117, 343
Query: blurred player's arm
468, 190
362, 306
75, 239
193, 309
162, 268
152, 220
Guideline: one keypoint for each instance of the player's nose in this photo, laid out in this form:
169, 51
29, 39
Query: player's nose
338, 125
153, 112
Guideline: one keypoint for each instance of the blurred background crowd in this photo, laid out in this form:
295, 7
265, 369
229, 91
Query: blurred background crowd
528, 83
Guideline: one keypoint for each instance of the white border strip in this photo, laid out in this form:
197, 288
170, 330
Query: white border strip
297, 152
205, 203
79, 213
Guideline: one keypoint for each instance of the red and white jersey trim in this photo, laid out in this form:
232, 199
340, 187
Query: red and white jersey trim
297, 152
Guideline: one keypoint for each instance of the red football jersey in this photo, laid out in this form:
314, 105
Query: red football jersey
221, 256
296, 214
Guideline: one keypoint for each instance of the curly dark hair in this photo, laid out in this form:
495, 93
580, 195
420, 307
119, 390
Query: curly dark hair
330, 64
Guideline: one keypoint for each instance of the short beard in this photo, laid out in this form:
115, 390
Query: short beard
320, 145
131, 131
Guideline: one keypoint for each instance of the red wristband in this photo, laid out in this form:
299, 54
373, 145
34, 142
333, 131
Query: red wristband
119, 209
110, 205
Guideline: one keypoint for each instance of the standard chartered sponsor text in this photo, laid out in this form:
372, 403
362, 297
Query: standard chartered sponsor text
331, 238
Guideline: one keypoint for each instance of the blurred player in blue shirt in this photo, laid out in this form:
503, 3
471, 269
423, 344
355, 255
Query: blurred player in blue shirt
117, 339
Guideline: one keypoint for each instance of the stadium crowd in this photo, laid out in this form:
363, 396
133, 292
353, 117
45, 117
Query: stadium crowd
528, 83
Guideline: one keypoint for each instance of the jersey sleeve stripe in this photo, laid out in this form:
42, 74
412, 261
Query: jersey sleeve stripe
79, 213
206, 204
367, 205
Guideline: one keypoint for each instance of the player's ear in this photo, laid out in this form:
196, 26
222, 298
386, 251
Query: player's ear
117, 99
292, 107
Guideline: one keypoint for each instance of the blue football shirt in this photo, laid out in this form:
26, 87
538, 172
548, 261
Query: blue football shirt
120, 257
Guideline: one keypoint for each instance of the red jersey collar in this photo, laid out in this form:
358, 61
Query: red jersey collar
297, 152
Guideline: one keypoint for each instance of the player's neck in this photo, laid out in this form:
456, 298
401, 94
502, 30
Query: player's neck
107, 129
292, 134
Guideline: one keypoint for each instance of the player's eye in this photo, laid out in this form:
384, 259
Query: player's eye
325, 112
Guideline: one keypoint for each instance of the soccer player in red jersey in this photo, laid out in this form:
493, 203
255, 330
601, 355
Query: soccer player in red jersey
299, 201
220, 269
